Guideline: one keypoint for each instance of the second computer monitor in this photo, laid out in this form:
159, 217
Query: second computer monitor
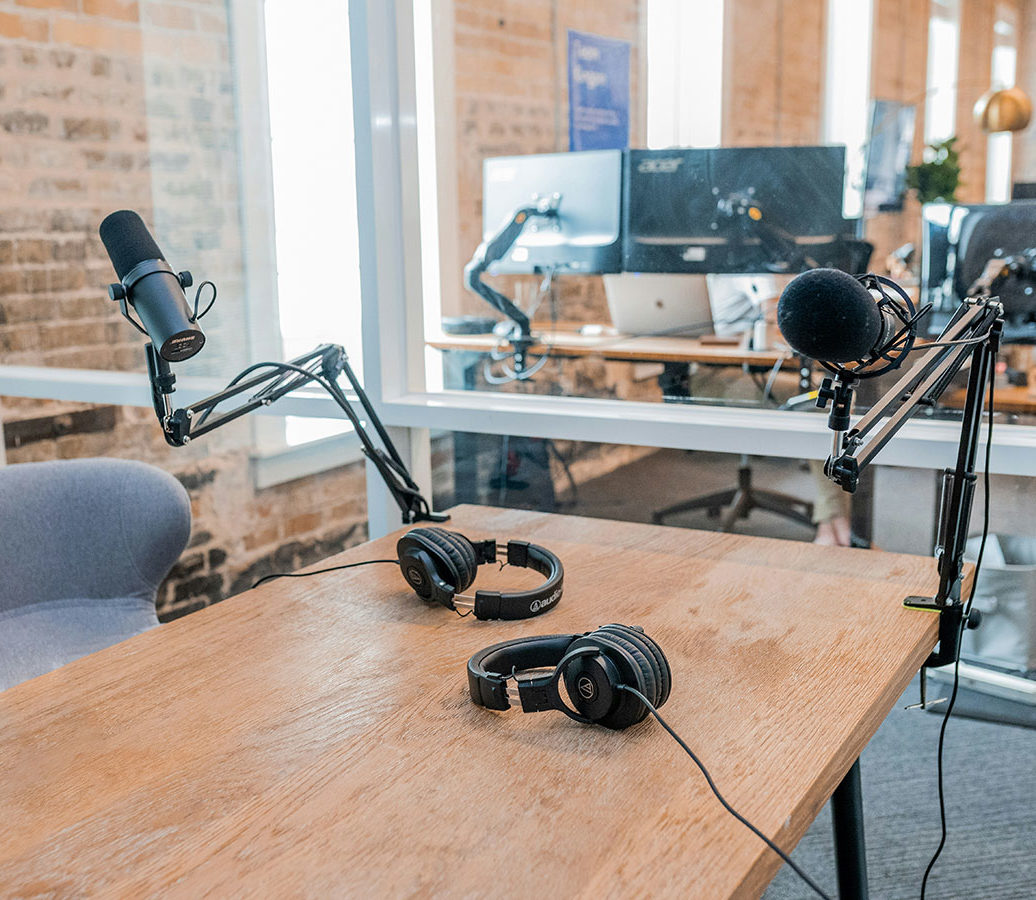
735, 210
959, 241
584, 237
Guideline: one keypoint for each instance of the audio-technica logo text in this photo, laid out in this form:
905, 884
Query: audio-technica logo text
546, 602
664, 166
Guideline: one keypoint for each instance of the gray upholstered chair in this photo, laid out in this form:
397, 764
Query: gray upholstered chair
84, 545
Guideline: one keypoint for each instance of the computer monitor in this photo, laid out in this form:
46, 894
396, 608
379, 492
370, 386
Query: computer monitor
743, 210
889, 144
958, 242
585, 236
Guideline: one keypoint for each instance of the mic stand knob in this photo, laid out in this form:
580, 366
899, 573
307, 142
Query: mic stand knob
840, 394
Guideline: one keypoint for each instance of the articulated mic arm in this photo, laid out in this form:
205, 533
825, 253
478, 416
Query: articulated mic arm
973, 334
322, 366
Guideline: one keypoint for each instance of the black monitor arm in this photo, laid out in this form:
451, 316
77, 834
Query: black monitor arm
974, 334
322, 366
495, 248
997, 271
779, 245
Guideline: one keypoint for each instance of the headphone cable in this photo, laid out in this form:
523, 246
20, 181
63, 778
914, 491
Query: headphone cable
730, 809
366, 562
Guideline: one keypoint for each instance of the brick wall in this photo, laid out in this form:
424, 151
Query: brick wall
108, 104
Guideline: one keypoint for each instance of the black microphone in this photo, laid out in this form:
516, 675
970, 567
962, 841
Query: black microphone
151, 286
828, 315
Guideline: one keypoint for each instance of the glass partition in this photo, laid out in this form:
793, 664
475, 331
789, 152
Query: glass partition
548, 271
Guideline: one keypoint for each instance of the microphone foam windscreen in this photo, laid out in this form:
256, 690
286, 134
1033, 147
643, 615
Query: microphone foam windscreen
826, 314
127, 240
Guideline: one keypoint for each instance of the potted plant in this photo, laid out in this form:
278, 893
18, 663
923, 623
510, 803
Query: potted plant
938, 176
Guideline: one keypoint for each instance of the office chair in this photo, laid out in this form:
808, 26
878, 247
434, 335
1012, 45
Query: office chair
853, 255
84, 545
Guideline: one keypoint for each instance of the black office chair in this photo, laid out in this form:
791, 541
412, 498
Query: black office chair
740, 501
849, 255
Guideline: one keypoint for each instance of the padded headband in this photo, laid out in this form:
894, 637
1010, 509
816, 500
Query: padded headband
489, 669
520, 604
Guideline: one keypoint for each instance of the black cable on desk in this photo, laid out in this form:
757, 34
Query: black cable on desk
366, 562
730, 809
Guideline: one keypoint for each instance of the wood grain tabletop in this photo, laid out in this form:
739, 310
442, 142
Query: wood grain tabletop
314, 737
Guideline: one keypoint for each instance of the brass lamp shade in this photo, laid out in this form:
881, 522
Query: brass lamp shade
1004, 110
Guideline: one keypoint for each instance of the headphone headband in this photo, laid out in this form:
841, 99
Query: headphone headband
489, 669
523, 604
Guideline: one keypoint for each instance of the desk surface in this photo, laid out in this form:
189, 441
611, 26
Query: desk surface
314, 737
626, 348
1006, 399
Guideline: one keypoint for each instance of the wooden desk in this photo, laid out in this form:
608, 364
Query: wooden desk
1009, 399
571, 344
314, 737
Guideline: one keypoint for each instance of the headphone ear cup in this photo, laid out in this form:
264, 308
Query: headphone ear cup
652, 651
636, 669
453, 551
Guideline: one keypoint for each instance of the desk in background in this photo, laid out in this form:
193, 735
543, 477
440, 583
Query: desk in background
1016, 399
626, 348
315, 737
676, 354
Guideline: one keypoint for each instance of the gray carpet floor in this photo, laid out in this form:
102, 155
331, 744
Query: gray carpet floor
990, 852
990, 768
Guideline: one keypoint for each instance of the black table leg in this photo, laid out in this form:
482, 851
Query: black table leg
850, 852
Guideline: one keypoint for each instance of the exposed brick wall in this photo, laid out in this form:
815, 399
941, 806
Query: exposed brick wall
108, 104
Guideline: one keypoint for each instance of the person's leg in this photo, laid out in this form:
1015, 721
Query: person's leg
831, 509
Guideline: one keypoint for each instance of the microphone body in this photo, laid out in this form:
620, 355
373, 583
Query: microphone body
151, 286
828, 315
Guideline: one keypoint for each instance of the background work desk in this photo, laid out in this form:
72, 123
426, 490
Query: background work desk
464, 356
625, 348
1016, 399
315, 737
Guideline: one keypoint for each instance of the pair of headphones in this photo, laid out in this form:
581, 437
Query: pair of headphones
439, 565
595, 667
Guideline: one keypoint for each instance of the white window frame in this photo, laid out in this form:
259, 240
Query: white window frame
947, 12
848, 64
1000, 146
274, 461
382, 34
684, 63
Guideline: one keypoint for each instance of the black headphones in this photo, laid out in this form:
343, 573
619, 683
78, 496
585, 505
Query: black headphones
440, 564
593, 665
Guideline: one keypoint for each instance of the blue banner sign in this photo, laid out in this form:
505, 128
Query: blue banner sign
598, 92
